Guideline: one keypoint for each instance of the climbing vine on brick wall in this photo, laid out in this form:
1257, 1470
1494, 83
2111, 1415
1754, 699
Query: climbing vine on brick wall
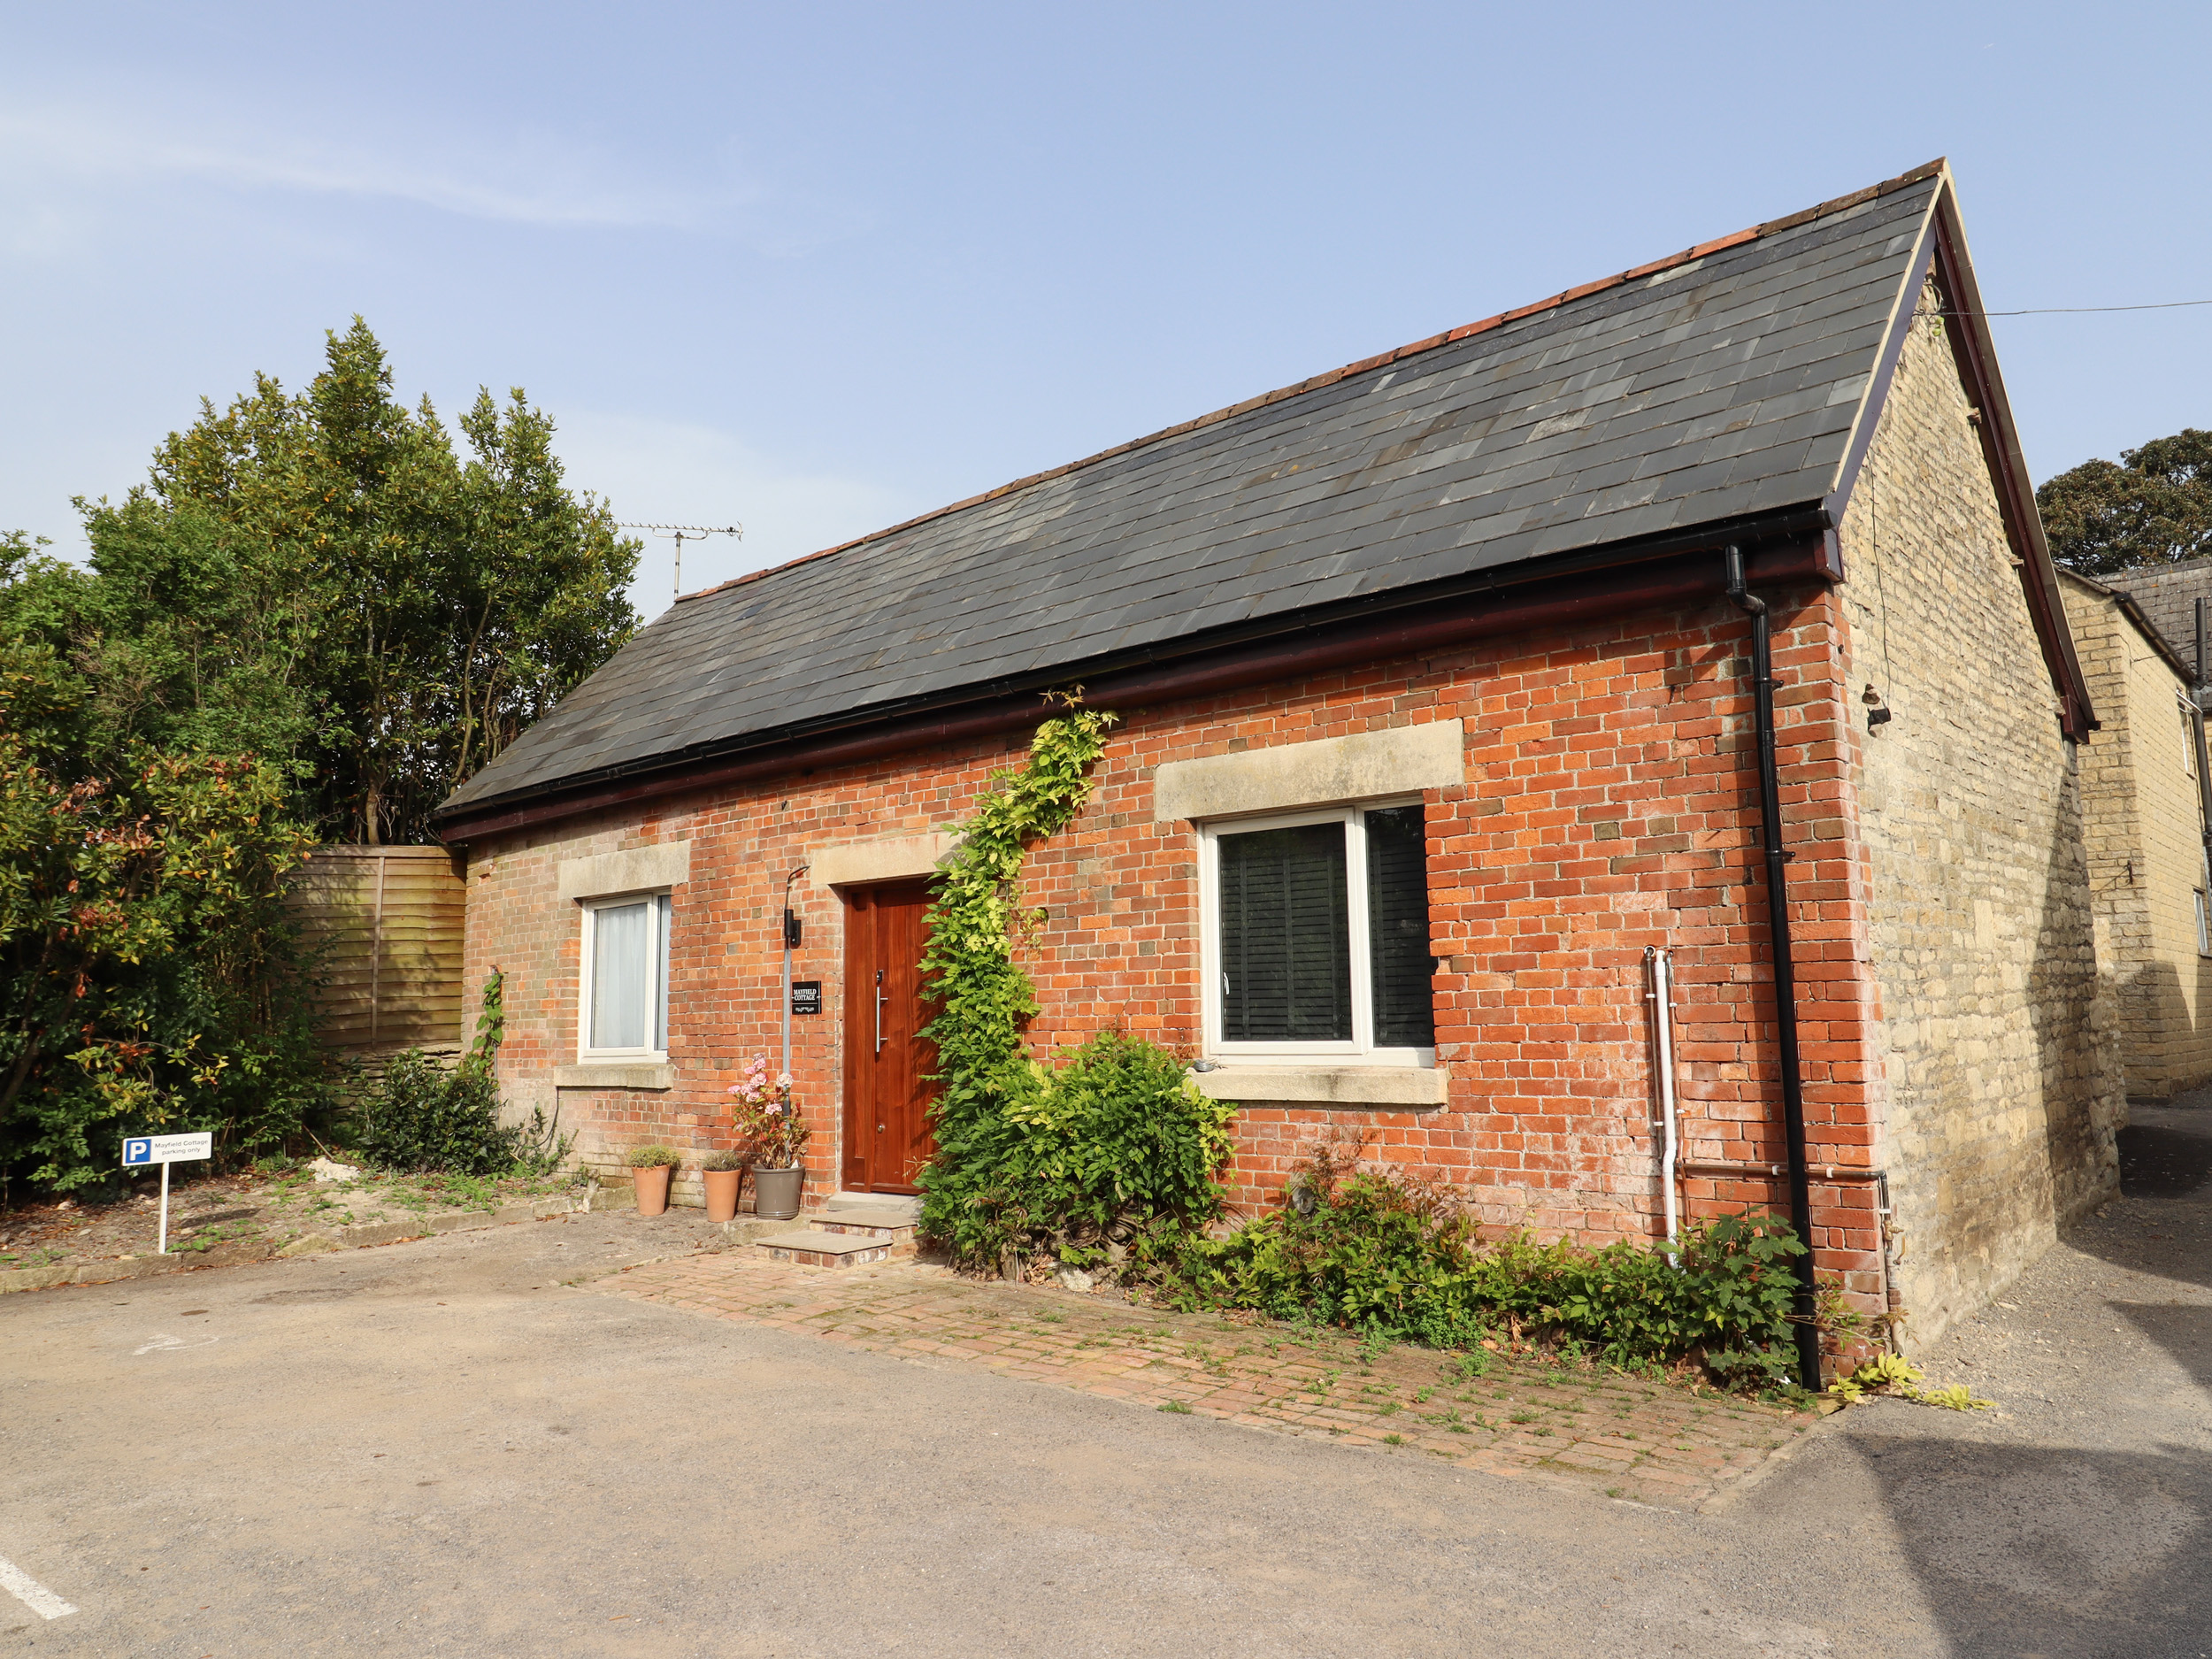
1026, 1154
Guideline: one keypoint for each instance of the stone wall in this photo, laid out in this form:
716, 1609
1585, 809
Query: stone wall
1995, 1077
2143, 818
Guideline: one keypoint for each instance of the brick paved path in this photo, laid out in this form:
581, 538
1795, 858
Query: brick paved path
1657, 1442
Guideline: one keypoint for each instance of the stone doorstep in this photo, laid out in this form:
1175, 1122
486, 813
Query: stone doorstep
851, 1230
908, 1210
809, 1249
842, 1225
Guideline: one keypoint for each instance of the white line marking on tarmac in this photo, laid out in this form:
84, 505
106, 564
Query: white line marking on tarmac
30, 1592
165, 1344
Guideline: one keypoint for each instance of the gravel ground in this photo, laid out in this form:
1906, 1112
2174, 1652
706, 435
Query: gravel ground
207, 1211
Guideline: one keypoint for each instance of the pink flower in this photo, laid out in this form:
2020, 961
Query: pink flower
784, 1081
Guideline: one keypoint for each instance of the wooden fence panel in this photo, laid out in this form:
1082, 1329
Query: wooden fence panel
385, 924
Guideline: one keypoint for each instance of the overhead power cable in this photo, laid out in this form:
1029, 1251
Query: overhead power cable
2055, 311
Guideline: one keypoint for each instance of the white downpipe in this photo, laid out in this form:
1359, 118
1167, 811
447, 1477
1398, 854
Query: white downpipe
1660, 994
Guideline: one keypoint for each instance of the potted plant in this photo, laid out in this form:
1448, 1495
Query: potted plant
650, 1168
773, 1136
723, 1174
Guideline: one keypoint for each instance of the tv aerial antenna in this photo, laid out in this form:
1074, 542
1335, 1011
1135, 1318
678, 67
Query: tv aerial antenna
681, 532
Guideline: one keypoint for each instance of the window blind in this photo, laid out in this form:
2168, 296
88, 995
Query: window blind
1285, 936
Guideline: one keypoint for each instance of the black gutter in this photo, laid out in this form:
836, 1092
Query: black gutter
1807, 1310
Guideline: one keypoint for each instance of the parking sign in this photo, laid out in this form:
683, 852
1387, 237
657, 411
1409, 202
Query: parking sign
143, 1149
139, 1150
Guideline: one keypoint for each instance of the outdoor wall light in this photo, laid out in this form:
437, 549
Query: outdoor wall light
1877, 711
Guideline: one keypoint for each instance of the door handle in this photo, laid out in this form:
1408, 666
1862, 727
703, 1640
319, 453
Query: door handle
880, 999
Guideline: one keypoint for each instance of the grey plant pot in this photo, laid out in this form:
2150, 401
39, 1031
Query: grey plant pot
776, 1193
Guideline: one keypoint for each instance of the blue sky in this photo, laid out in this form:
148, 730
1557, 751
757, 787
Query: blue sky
819, 268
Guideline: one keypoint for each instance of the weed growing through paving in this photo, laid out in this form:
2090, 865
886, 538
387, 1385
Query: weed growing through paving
223, 1233
1177, 1408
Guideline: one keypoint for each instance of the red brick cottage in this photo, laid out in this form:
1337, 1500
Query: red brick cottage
1437, 717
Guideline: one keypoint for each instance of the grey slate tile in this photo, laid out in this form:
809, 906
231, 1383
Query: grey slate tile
1698, 397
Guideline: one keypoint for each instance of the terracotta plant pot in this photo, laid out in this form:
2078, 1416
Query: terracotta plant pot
652, 1189
776, 1193
722, 1187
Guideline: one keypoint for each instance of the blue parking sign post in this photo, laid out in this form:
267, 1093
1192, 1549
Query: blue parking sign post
141, 1150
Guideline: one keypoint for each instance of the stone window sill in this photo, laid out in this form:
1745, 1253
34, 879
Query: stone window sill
614, 1074
1328, 1085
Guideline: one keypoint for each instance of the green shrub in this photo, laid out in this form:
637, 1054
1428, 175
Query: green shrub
1109, 1145
422, 1117
653, 1158
149, 969
1393, 1256
723, 1162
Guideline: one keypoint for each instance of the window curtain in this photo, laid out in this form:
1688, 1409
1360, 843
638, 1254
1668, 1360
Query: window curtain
620, 934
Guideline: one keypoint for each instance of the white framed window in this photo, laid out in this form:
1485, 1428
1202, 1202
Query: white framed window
1315, 936
2189, 740
2204, 926
624, 1012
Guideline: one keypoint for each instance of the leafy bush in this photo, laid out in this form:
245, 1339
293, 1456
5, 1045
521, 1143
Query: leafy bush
722, 1163
653, 1158
149, 967
423, 1118
1111, 1143
1397, 1257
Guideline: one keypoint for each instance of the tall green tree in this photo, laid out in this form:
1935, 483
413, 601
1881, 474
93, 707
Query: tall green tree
2154, 507
313, 619
420, 610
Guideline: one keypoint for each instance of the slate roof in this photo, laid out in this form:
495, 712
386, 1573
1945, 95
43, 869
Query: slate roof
2168, 595
1724, 382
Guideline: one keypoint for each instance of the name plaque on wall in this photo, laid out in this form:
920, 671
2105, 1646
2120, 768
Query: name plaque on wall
806, 996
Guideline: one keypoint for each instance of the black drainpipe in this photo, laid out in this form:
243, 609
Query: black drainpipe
1785, 966
2204, 766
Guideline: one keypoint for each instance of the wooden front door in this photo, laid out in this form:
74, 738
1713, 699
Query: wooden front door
887, 1060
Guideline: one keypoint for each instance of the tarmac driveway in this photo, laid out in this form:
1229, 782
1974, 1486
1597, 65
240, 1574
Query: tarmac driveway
438, 1447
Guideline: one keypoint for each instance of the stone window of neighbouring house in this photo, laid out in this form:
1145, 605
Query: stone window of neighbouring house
1315, 936
625, 1001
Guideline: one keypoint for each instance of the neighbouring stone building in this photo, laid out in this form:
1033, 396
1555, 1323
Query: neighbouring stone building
2167, 596
2143, 791
1437, 715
